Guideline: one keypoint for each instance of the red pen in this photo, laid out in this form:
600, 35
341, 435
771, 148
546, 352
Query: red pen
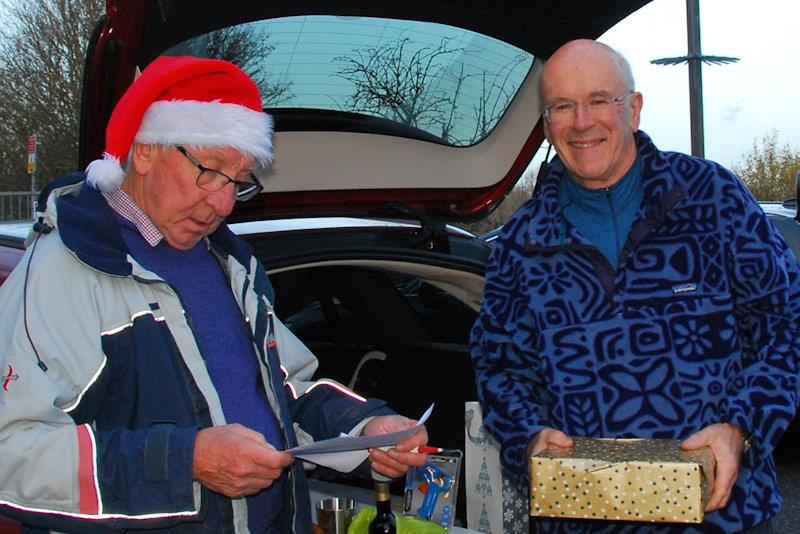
426, 449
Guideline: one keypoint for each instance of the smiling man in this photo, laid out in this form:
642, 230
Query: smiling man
639, 294
153, 387
591, 112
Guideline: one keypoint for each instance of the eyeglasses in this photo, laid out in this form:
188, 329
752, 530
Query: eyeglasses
214, 180
597, 106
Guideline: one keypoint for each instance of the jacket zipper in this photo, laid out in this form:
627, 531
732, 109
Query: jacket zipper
610, 200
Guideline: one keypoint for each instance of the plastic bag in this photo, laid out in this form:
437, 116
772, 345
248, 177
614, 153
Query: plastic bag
405, 525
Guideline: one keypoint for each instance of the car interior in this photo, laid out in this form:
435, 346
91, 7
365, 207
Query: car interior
389, 334
386, 334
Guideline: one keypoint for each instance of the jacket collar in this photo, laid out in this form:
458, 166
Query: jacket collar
549, 229
88, 228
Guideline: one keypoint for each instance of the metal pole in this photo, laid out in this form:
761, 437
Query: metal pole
695, 77
32, 171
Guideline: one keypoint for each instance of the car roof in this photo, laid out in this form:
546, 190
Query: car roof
17, 230
783, 209
342, 161
782, 215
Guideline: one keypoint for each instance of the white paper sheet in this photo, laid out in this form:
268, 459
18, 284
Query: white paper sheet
345, 453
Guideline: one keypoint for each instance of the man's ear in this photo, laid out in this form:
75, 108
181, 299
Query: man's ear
546, 130
142, 157
637, 101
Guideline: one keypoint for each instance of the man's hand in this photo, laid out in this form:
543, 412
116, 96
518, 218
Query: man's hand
726, 443
236, 461
396, 461
548, 436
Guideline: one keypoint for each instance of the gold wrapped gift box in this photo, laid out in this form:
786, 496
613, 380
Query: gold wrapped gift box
622, 479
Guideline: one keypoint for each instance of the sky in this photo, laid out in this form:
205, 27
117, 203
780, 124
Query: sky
742, 101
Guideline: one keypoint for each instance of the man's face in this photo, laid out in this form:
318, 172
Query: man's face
164, 186
597, 147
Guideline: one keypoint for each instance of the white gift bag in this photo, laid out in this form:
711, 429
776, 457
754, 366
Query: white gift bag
495, 504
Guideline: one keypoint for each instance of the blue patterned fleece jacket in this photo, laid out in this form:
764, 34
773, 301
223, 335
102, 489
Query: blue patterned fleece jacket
699, 323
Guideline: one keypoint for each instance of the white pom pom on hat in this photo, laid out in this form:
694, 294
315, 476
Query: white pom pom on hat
184, 100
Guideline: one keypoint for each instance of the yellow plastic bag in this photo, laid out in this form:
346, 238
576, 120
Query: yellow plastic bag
405, 525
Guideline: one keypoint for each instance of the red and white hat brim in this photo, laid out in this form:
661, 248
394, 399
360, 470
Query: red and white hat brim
196, 124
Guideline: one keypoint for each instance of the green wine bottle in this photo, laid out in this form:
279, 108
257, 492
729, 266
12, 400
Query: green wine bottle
384, 522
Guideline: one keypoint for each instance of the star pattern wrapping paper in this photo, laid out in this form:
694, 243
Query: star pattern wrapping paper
622, 479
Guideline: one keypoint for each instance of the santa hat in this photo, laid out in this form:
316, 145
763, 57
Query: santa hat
188, 101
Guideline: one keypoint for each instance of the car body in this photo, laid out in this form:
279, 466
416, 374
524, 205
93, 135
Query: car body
786, 218
12, 240
353, 223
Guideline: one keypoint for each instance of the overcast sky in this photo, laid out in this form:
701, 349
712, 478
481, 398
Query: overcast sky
742, 101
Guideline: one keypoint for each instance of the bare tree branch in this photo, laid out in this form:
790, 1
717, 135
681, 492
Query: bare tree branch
250, 51
404, 86
394, 83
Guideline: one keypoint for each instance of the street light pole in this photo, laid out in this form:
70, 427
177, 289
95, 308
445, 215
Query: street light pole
695, 60
695, 78
32, 171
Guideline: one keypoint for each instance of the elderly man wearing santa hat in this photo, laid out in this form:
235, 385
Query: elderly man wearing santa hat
156, 388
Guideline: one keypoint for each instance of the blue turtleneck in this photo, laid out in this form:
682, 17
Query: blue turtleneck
604, 216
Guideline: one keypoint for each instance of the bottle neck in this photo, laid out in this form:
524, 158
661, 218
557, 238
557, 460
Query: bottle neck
383, 498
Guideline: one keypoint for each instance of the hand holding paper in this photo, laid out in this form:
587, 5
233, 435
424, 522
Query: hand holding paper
345, 453
396, 461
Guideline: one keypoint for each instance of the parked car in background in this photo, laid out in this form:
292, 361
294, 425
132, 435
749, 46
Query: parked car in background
786, 218
12, 239
387, 128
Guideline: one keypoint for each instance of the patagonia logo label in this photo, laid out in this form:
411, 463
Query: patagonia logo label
684, 288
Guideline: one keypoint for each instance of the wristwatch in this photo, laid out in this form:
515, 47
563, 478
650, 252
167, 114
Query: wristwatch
749, 440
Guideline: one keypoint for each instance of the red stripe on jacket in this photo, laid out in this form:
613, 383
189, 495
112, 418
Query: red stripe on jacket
89, 503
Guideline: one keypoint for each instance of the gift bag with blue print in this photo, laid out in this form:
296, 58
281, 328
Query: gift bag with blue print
496, 503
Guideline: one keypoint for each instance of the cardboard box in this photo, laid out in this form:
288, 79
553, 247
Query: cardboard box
622, 479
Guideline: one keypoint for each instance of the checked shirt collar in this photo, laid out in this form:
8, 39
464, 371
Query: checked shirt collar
124, 205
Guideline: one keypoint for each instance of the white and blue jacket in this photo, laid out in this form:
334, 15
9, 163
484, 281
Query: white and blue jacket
103, 439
